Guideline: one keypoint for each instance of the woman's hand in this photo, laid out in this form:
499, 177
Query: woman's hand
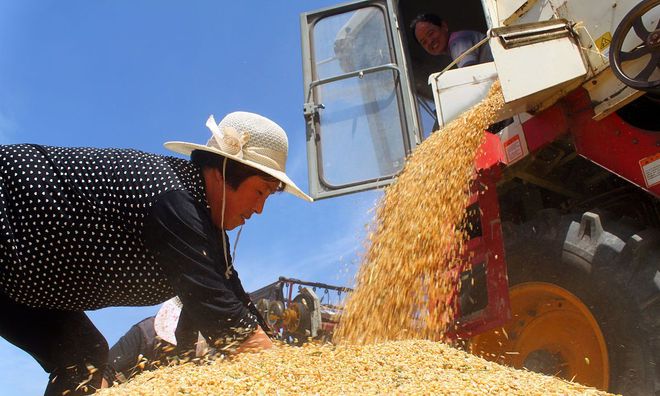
255, 342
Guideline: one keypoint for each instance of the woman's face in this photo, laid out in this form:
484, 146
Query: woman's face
240, 203
249, 198
433, 38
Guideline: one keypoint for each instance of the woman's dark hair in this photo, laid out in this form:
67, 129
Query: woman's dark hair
235, 172
430, 18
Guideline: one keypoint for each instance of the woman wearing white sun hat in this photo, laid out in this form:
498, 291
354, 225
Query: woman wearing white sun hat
87, 228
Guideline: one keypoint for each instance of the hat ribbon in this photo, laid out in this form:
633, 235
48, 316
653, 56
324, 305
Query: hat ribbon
233, 142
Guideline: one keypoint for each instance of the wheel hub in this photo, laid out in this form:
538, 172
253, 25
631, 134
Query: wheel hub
654, 38
545, 362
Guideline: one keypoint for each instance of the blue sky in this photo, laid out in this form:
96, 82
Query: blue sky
119, 73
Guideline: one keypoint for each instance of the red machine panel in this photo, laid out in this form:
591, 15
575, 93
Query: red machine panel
630, 152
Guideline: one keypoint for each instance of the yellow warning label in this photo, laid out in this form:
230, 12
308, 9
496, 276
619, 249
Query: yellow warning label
604, 41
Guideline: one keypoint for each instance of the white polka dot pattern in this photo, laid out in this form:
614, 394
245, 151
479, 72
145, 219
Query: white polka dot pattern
72, 221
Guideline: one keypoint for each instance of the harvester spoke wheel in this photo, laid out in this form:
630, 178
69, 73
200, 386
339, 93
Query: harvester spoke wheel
275, 314
649, 48
304, 306
262, 306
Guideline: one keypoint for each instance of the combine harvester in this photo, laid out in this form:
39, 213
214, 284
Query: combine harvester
565, 216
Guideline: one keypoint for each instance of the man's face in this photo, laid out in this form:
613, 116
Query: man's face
247, 199
433, 38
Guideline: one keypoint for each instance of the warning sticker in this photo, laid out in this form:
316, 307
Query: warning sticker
513, 149
651, 169
604, 41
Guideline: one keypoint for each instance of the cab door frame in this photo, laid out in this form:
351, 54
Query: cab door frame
410, 126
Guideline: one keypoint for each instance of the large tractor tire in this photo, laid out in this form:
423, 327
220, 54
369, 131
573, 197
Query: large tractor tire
585, 302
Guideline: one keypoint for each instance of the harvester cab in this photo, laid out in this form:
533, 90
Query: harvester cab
574, 174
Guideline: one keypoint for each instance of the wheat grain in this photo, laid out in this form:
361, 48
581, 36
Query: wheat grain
395, 367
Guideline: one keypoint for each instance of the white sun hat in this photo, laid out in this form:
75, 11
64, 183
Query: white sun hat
250, 139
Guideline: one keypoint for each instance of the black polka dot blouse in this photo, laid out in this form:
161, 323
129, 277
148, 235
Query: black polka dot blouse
87, 228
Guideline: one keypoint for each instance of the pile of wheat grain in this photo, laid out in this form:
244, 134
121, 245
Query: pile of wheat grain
409, 274
395, 367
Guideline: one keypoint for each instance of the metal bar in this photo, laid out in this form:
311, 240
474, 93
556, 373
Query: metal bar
357, 73
315, 284
530, 33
